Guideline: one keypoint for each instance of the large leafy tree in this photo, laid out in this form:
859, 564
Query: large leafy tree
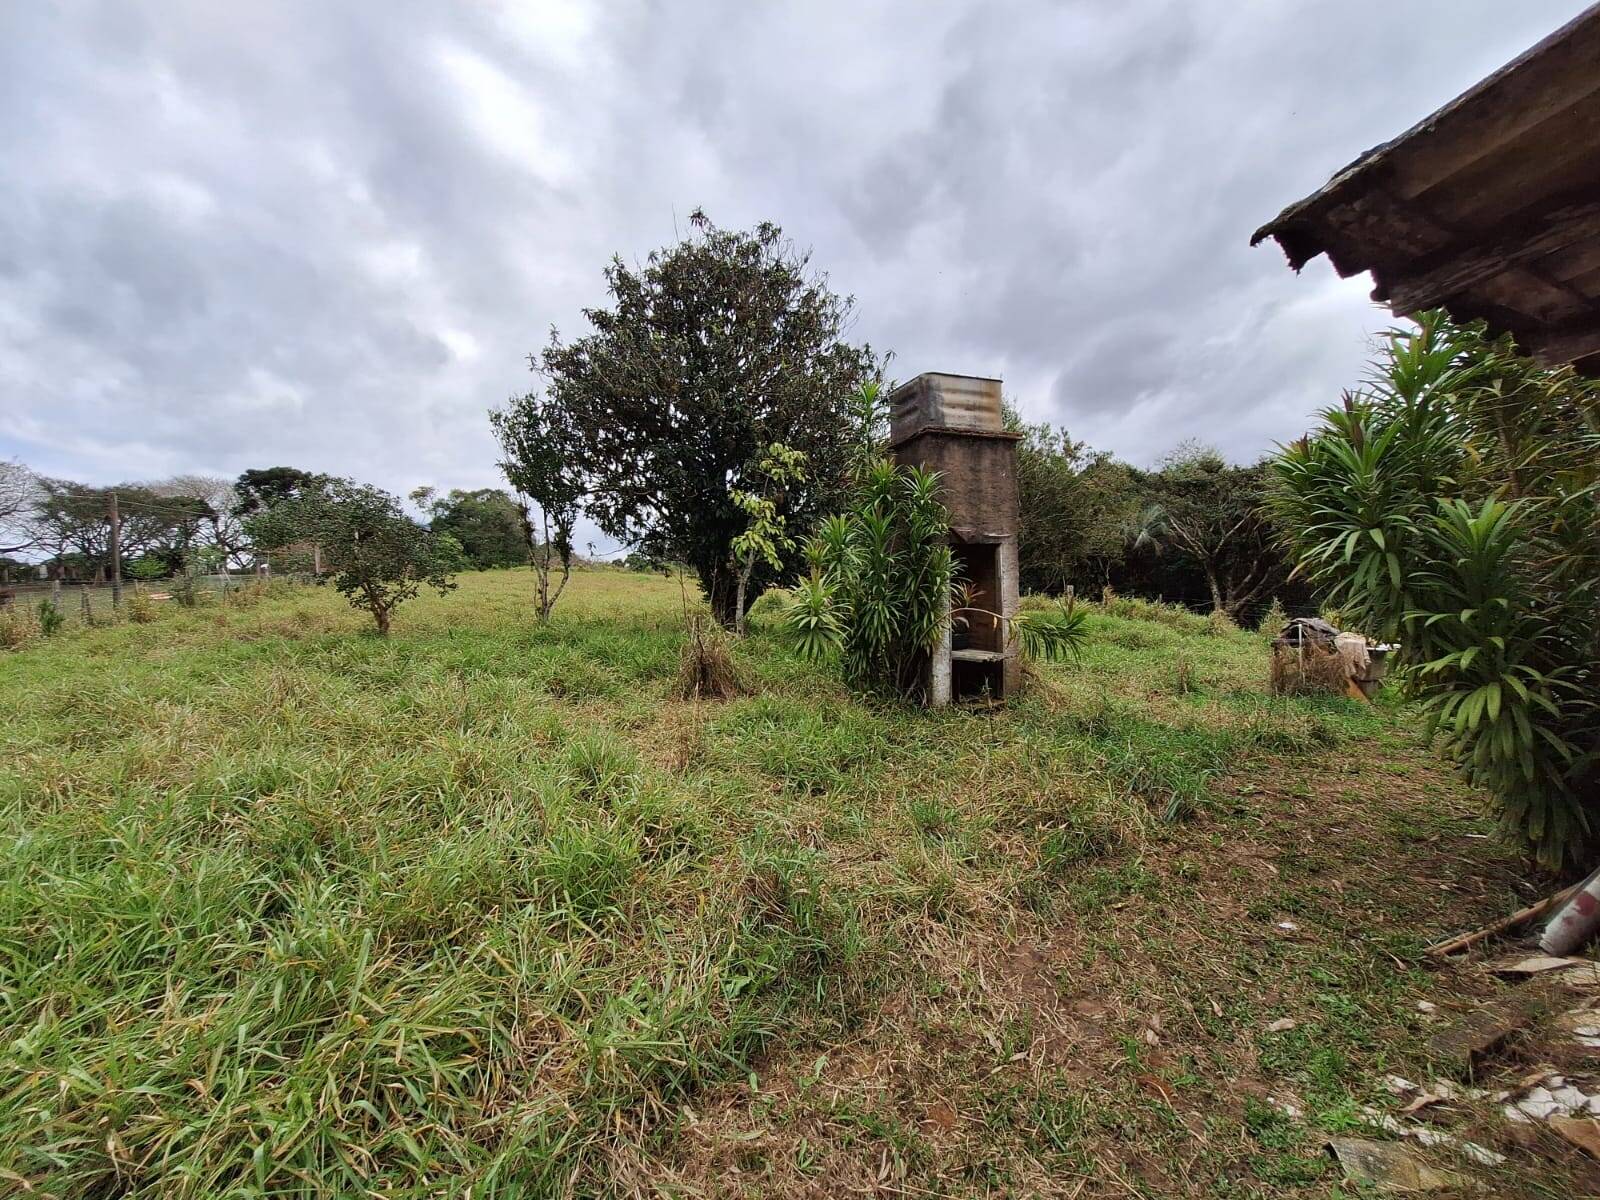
715, 349
379, 556
1451, 505
485, 521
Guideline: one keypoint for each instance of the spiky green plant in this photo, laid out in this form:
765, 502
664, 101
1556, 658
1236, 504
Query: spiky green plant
1451, 506
880, 581
883, 582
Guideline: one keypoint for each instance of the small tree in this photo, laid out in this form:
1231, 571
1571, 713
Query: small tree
379, 557
767, 535
537, 439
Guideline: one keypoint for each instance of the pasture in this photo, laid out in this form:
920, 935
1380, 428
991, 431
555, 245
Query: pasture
291, 910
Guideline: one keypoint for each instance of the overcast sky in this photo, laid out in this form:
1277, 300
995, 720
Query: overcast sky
327, 234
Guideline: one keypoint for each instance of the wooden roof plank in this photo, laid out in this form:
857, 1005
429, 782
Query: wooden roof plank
1463, 264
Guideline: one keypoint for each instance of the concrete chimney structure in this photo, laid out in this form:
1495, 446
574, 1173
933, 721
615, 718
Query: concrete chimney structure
953, 424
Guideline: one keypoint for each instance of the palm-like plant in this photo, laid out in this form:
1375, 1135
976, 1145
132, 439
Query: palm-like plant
883, 586
1452, 506
880, 579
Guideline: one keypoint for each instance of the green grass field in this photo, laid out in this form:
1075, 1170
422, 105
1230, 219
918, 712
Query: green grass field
290, 910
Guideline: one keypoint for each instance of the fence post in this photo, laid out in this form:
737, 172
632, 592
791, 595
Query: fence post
55, 594
88, 613
116, 554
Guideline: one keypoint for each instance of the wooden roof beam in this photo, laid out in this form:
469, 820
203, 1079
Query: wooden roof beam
1566, 344
1447, 272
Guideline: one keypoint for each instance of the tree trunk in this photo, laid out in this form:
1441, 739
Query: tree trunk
1216, 592
381, 615
722, 593
739, 606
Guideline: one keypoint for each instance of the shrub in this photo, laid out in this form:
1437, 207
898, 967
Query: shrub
51, 618
770, 608
1273, 620
140, 608
18, 627
1308, 669
880, 580
881, 588
1452, 507
706, 670
183, 590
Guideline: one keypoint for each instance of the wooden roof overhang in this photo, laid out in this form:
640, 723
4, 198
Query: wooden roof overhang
1490, 208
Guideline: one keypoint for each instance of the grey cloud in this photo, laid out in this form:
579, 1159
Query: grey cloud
328, 235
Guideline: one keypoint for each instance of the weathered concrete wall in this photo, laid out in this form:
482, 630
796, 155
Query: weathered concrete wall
978, 478
1010, 605
953, 424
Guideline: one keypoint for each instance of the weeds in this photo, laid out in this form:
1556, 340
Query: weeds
333, 915
140, 609
706, 669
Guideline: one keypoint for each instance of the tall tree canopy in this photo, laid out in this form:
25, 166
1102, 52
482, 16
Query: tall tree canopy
262, 488
720, 346
485, 521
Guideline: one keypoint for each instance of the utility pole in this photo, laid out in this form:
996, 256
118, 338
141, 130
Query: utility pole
116, 553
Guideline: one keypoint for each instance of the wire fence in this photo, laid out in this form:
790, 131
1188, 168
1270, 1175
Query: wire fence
85, 603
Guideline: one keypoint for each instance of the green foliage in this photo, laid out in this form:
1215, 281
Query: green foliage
766, 538
1273, 620
51, 618
1053, 634
140, 608
484, 522
719, 347
540, 443
259, 489
1451, 506
1137, 608
1076, 506
879, 589
380, 557
451, 555
1215, 516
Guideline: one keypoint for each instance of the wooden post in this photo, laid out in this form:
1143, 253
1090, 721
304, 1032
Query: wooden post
116, 554
55, 593
316, 559
88, 613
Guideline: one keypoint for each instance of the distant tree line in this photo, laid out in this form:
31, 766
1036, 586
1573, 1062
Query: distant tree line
65, 526
1195, 530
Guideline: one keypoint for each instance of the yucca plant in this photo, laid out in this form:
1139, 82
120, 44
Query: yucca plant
883, 586
1451, 506
881, 574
